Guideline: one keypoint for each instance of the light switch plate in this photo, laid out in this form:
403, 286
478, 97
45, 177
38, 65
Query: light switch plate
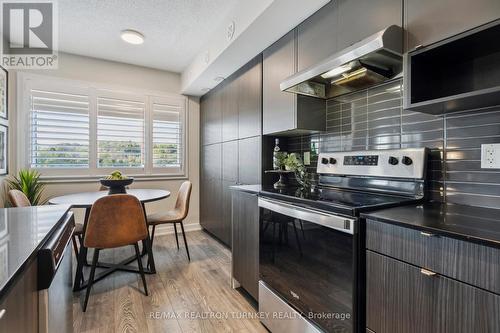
307, 158
490, 156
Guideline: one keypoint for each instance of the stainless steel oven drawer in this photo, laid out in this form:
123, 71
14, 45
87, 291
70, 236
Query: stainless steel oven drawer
278, 316
469, 262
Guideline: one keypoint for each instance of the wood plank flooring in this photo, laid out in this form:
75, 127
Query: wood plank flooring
184, 296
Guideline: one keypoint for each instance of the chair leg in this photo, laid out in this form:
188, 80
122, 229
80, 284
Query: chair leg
141, 269
185, 241
75, 246
153, 235
176, 236
91, 278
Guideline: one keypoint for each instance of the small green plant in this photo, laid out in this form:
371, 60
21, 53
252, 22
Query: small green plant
293, 162
280, 159
28, 182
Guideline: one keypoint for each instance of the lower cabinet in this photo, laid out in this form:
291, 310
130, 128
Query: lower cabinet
19, 309
245, 255
404, 298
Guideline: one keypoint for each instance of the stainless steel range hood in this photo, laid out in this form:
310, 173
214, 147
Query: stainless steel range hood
366, 63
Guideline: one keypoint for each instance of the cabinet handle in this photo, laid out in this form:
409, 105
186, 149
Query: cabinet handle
2, 313
427, 234
427, 272
419, 46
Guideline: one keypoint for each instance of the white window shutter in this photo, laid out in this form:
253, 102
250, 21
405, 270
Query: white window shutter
120, 132
59, 130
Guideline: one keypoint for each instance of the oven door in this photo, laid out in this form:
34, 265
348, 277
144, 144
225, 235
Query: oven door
307, 260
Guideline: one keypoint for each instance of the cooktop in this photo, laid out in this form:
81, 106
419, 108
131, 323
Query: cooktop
340, 201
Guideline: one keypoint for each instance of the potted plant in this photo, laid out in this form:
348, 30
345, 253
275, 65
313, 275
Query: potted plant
28, 182
293, 162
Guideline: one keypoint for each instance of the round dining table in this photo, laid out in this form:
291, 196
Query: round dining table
86, 200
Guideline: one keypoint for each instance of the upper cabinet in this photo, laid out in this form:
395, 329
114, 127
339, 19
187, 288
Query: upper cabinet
211, 117
362, 18
278, 107
249, 95
285, 113
229, 105
428, 21
317, 36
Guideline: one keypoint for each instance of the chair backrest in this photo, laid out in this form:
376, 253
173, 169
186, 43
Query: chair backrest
183, 197
115, 220
18, 199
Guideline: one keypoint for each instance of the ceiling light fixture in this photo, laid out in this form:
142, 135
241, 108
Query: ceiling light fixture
132, 36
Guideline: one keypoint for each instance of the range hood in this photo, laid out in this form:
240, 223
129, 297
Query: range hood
373, 60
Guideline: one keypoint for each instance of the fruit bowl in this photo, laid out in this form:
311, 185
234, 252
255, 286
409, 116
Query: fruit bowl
117, 185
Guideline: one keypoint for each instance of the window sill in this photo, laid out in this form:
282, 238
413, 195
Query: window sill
94, 179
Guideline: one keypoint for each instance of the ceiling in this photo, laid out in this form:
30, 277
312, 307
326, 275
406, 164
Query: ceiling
175, 30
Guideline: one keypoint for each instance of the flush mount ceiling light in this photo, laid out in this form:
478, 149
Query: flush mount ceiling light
132, 36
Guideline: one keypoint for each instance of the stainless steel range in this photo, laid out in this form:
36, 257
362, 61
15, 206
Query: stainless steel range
311, 258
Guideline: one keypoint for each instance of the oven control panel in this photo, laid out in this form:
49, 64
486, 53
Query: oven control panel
397, 163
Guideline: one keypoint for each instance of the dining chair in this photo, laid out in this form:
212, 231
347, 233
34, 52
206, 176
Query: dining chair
115, 221
174, 216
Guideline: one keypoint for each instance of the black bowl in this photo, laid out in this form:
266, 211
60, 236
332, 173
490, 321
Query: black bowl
117, 185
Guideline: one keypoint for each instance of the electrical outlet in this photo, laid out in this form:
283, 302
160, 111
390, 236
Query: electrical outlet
490, 156
307, 158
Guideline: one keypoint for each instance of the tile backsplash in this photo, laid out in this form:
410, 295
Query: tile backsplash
374, 119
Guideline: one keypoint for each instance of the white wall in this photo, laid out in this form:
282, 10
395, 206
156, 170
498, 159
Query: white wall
101, 71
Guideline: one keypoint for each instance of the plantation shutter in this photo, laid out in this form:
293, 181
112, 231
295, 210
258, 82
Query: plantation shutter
168, 132
120, 132
59, 129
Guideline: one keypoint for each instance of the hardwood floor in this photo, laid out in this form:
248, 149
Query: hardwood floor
183, 296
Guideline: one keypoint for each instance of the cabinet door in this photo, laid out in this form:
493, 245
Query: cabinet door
250, 99
362, 18
279, 62
249, 160
211, 197
211, 114
225, 226
317, 36
20, 307
429, 21
229, 104
246, 241
230, 161
400, 298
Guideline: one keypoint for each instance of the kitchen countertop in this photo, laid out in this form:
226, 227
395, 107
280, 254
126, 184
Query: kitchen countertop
475, 224
248, 188
22, 232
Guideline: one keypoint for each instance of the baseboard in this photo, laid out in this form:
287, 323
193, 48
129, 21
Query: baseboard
168, 229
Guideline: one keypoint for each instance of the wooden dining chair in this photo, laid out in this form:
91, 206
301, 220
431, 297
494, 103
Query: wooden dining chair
174, 216
115, 221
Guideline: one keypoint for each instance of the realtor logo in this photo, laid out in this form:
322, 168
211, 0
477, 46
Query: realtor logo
29, 38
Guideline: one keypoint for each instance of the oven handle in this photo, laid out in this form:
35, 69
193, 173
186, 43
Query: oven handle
310, 215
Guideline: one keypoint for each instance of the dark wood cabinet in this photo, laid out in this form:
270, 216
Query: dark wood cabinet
229, 105
249, 161
211, 189
428, 21
317, 36
237, 101
279, 62
20, 305
211, 118
245, 233
250, 99
362, 18
404, 298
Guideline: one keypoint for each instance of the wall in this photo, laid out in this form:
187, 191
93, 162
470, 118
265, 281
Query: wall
375, 119
118, 74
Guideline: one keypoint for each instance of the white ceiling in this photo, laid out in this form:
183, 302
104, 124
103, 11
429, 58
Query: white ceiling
175, 30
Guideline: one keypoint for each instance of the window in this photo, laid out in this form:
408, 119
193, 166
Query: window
85, 129
59, 130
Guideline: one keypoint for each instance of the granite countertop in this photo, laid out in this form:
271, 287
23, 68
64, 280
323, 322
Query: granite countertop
22, 232
475, 224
